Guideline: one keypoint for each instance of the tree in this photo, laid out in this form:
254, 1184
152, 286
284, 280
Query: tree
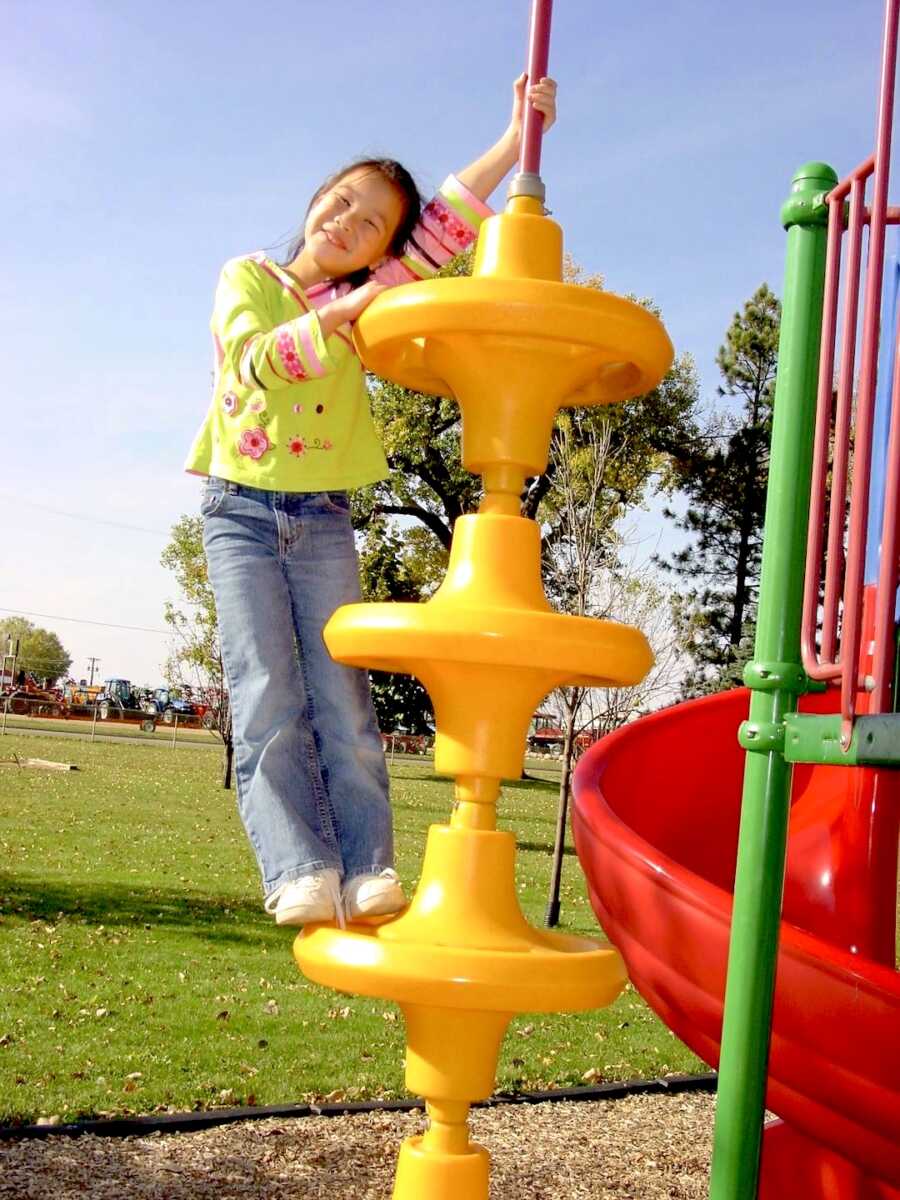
421, 438
429, 486
725, 482
41, 653
196, 660
586, 577
391, 570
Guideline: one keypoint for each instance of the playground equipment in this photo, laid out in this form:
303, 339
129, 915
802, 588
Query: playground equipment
821, 790
512, 344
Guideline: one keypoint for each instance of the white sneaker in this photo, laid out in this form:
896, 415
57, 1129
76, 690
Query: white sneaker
315, 897
373, 895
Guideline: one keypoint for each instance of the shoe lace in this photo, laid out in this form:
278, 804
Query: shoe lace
334, 887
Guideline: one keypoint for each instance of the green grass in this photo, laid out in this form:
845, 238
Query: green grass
138, 972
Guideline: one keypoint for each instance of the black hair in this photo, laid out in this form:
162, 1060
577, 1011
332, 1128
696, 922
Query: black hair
405, 186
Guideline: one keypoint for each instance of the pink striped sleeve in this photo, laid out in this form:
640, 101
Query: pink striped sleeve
393, 272
449, 224
309, 347
261, 357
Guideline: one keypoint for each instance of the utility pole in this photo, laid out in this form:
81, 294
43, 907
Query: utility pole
93, 663
8, 665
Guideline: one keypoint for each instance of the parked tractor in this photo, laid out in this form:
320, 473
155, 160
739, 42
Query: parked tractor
27, 699
548, 737
82, 695
119, 701
162, 703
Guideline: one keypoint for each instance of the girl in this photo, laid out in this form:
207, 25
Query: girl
288, 433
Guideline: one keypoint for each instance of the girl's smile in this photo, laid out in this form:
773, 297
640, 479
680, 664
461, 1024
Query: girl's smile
335, 239
349, 226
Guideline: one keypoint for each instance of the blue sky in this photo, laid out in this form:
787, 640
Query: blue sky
146, 142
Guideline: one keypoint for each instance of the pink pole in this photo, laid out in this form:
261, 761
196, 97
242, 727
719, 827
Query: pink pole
538, 59
862, 457
885, 604
834, 574
821, 667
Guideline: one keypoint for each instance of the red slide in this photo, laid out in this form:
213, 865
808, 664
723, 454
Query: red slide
655, 817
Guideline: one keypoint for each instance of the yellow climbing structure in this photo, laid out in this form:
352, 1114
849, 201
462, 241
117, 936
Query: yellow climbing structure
512, 344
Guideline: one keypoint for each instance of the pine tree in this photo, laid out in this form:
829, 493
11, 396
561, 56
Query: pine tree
724, 481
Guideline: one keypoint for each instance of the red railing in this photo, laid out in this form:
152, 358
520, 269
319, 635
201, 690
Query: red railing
838, 654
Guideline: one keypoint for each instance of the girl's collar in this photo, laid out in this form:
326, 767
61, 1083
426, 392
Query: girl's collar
316, 294
282, 273
327, 288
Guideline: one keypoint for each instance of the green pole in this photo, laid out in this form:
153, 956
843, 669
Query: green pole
776, 677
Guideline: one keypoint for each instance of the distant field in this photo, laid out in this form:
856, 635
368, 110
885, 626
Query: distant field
109, 728
138, 972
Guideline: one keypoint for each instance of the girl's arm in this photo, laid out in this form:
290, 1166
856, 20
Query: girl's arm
484, 174
451, 220
257, 355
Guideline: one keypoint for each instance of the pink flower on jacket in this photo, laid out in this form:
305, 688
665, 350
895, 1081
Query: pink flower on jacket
230, 403
326, 445
254, 443
289, 356
452, 225
257, 406
296, 446
437, 212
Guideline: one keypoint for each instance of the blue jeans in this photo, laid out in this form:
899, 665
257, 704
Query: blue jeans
311, 781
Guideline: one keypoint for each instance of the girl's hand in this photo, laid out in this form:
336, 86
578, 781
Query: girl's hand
542, 95
486, 172
359, 299
348, 308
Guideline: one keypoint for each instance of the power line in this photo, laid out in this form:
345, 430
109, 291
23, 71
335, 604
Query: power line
85, 621
58, 512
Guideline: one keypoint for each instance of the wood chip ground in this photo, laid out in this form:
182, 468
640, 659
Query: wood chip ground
638, 1148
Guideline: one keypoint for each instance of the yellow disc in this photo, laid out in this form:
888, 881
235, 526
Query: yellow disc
602, 347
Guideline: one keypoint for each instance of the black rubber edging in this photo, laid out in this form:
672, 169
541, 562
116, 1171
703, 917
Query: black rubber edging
193, 1122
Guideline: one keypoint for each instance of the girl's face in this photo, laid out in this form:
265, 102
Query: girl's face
351, 225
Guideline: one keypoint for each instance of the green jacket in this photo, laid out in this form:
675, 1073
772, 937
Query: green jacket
290, 411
